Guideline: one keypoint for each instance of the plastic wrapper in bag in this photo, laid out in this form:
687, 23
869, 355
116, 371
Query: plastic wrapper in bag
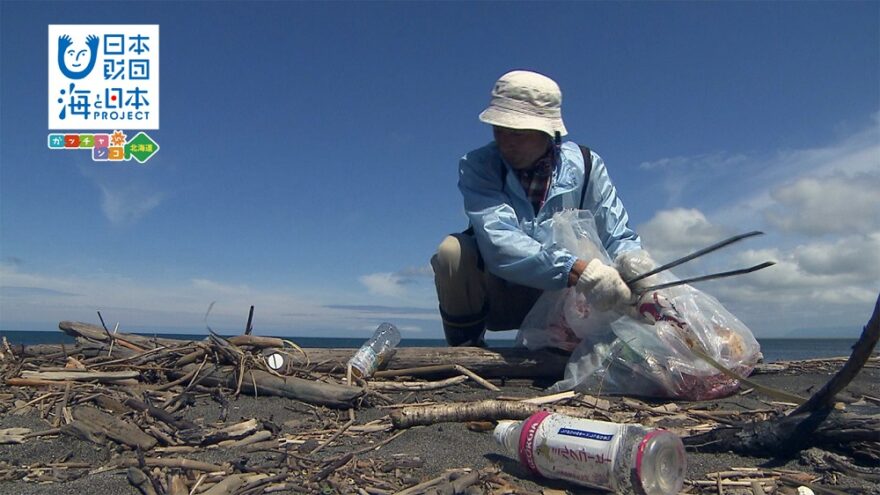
616, 354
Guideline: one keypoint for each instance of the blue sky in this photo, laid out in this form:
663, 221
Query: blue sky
309, 154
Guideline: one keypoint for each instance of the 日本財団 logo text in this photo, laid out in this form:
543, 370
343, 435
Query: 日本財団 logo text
104, 78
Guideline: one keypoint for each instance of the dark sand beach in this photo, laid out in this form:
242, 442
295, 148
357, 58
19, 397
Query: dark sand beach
415, 455
161, 416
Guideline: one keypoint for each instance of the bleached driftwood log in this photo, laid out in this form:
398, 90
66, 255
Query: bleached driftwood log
487, 363
484, 410
94, 425
257, 382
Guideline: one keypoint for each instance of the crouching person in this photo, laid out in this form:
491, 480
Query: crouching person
489, 276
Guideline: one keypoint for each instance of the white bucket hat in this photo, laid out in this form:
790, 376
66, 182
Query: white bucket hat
526, 100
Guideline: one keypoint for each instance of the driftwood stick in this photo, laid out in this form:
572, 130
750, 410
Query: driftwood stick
419, 370
423, 486
487, 363
101, 376
473, 376
59, 408
38, 399
43, 433
195, 379
463, 482
404, 386
190, 358
113, 427
260, 436
109, 337
115, 329
159, 414
84, 431
248, 328
207, 436
177, 485
174, 383
460, 412
97, 334
14, 435
32, 382
861, 352
139, 480
333, 466
109, 403
256, 341
334, 437
228, 486
441, 368
253, 484
813, 424
133, 357
174, 462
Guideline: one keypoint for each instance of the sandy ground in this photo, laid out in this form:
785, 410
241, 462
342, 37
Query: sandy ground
442, 446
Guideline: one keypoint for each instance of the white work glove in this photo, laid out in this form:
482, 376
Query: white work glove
603, 286
634, 263
630, 265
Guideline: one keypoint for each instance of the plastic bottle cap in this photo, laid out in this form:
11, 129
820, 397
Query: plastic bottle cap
502, 431
275, 361
661, 463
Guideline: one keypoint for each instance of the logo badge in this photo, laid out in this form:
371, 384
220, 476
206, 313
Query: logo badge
103, 76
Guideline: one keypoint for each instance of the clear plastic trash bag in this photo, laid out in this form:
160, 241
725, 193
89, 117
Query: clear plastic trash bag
616, 354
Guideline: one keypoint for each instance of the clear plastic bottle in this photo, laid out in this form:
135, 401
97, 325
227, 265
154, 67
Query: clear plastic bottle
375, 351
621, 458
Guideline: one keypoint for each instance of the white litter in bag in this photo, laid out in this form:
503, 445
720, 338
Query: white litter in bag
616, 354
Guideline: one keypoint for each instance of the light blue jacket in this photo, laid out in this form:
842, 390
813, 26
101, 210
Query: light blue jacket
505, 224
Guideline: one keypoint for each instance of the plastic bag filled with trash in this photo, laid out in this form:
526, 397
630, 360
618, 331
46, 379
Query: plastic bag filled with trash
657, 355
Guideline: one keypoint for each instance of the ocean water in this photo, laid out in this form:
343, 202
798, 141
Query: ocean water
773, 349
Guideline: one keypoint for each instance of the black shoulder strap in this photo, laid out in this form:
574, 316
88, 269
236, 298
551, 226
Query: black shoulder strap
588, 167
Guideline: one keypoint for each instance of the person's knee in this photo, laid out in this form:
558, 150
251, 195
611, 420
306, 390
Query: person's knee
457, 254
448, 257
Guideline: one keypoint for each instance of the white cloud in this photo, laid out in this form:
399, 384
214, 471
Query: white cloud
823, 205
776, 186
417, 271
679, 176
711, 161
821, 211
127, 205
673, 233
820, 208
795, 295
816, 284
857, 256
406, 283
384, 284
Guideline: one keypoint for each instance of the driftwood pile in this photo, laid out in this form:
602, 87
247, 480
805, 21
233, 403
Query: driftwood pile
130, 393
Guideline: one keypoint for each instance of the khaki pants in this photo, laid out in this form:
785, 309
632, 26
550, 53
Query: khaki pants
473, 300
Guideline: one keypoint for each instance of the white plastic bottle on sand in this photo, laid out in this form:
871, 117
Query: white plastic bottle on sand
621, 458
375, 351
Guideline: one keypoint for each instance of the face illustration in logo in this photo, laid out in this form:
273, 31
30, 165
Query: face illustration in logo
76, 61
